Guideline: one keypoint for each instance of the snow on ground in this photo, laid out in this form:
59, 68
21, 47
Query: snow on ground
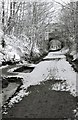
45, 70
3, 67
19, 44
14, 48
20, 65
54, 55
11, 53
12, 69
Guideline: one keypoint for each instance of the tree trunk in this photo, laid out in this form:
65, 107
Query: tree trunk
77, 24
3, 15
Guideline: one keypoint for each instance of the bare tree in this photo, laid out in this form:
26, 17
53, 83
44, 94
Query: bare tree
68, 23
36, 18
76, 12
3, 14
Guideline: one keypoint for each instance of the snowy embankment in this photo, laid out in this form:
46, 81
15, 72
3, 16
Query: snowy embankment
48, 70
16, 49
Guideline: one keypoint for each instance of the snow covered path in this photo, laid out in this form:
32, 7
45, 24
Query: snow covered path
57, 69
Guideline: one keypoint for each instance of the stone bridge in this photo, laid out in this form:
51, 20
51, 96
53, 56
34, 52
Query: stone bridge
55, 42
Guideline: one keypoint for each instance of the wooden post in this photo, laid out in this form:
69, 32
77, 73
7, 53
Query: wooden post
10, 9
14, 3
34, 23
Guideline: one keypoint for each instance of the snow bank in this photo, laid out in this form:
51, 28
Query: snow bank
19, 97
14, 47
20, 65
11, 53
17, 49
3, 67
54, 56
57, 54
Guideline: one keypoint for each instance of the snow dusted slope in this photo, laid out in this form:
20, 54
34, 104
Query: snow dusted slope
14, 48
17, 48
45, 70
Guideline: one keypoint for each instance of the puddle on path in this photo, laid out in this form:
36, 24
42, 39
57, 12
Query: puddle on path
9, 91
9, 86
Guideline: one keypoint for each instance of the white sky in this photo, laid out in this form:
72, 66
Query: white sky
63, 1
66, 1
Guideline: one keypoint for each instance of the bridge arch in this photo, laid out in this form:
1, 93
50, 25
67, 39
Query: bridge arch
55, 41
